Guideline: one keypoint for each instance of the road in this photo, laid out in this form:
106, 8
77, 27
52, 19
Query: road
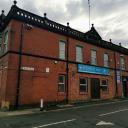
112, 115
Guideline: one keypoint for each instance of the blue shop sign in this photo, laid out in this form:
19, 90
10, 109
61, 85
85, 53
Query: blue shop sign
93, 69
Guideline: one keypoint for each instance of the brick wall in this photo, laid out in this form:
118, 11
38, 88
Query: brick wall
37, 84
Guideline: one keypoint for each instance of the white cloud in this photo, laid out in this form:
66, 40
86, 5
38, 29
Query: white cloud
109, 16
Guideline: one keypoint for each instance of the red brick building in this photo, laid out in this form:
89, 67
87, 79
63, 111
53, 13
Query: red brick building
41, 59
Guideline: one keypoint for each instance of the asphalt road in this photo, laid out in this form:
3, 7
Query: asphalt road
113, 115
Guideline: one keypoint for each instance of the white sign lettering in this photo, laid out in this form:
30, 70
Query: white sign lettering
27, 68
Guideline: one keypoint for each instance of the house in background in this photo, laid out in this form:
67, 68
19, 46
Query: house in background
42, 59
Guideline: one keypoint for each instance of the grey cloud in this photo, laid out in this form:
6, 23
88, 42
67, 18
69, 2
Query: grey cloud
74, 8
107, 7
30, 5
109, 16
71, 11
54, 14
5, 5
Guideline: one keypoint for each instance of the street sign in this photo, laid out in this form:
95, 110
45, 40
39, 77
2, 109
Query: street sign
27, 68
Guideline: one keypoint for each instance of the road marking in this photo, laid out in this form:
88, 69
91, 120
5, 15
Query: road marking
61, 122
104, 123
109, 113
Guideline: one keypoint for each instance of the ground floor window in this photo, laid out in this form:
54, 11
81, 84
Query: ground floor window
83, 84
61, 83
104, 85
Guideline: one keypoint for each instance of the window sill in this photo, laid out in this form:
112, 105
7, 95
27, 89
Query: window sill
61, 93
105, 92
83, 93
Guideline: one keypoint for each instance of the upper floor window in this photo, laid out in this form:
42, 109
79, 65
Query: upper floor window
0, 42
79, 54
62, 45
5, 41
106, 60
93, 57
122, 62
0, 38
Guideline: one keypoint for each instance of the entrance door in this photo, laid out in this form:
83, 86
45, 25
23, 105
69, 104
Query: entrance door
95, 88
125, 88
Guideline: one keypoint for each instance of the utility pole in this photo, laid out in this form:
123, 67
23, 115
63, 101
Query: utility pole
89, 7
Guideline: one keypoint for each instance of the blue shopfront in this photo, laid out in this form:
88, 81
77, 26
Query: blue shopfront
94, 82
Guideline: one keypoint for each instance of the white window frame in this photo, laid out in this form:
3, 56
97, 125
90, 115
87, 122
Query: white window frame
6, 37
104, 85
93, 58
106, 61
62, 83
79, 53
62, 49
0, 42
85, 85
122, 62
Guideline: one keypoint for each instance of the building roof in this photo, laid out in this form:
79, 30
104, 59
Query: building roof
91, 36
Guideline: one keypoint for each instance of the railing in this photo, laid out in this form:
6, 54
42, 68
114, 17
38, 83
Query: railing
45, 23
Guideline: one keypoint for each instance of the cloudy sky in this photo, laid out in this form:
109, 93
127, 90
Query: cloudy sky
110, 17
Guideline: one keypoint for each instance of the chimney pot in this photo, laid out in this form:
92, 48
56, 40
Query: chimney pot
15, 2
45, 15
67, 24
119, 44
2, 11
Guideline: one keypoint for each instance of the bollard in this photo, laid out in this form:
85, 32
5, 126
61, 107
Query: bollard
41, 104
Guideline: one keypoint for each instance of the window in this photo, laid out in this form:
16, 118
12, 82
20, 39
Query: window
122, 62
106, 60
0, 42
104, 85
5, 41
62, 45
83, 84
61, 85
79, 54
93, 57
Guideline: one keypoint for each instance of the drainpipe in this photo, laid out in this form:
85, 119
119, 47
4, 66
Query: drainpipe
67, 66
116, 90
19, 67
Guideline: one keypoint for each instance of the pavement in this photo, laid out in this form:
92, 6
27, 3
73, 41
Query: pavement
95, 114
60, 107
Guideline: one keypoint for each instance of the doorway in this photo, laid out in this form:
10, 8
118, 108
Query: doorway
95, 88
124, 83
